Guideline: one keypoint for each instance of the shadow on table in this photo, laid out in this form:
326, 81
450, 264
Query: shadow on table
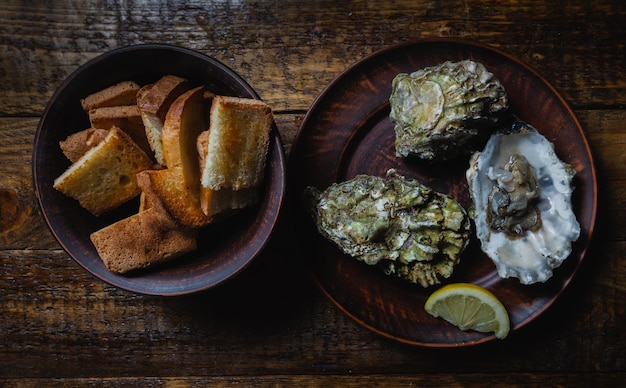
275, 287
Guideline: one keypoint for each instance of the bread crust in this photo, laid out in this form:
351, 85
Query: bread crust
162, 94
185, 120
122, 93
140, 241
154, 101
78, 143
126, 117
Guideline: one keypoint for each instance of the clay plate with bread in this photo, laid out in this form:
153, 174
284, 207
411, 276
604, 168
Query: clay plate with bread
216, 251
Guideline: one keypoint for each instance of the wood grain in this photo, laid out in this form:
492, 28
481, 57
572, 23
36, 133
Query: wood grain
308, 45
270, 326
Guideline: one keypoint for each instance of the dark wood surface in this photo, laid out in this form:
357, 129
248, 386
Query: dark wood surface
270, 325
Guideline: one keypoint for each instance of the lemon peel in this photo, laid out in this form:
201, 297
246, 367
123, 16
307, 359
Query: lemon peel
469, 307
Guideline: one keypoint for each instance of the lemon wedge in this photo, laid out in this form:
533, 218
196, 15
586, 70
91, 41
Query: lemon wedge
469, 307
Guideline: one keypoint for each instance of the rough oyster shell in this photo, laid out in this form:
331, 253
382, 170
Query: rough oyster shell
522, 207
444, 111
397, 224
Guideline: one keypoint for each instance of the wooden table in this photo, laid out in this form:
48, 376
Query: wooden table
270, 325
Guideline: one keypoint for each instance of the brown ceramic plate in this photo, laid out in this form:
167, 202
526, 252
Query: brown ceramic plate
224, 249
347, 132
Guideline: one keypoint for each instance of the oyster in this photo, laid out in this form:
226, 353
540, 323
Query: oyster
397, 224
522, 207
447, 110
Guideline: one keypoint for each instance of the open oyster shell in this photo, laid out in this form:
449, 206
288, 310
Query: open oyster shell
445, 111
405, 228
522, 207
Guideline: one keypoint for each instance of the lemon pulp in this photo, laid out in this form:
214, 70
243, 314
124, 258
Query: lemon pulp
469, 307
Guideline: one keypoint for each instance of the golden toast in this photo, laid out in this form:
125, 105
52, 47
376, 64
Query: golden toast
105, 176
233, 153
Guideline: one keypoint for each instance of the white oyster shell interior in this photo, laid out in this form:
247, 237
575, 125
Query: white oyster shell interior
531, 257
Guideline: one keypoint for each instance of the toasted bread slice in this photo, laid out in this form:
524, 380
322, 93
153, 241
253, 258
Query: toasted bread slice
238, 143
180, 202
185, 120
178, 186
105, 176
77, 144
222, 201
142, 240
153, 102
126, 118
123, 93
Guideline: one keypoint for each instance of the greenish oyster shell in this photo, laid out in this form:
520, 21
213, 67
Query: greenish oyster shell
397, 224
445, 111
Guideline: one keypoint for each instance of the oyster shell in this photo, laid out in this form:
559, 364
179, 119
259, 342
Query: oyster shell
522, 207
397, 224
444, 111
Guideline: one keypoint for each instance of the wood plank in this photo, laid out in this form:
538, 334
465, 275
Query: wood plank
314, 381
289, 53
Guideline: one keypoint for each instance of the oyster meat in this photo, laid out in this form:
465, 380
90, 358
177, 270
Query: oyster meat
521, 193
397, 224
445, 111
